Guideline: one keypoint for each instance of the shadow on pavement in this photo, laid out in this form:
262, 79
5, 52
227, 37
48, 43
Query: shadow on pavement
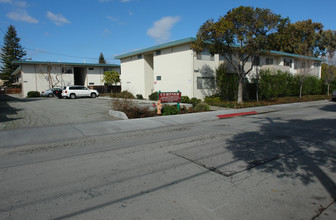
308, 149
7, 110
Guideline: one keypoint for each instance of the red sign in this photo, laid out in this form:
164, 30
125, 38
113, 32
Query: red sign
170, 97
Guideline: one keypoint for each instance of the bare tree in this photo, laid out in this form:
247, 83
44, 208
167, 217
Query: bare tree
47, 69
303, 71
329, 73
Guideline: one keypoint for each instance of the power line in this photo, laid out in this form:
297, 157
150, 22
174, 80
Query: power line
65, 55
59, 54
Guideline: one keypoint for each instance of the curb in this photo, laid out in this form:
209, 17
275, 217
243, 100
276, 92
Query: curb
118, 114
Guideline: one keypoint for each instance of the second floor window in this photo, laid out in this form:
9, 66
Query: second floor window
288, 62
269, 61
66, 69
256, 61
205, 55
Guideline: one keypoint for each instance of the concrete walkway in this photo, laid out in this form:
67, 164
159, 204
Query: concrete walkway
43, 135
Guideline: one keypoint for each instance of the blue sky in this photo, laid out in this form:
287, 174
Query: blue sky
78, 30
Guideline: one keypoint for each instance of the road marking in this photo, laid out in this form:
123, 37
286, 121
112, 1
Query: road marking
237, 114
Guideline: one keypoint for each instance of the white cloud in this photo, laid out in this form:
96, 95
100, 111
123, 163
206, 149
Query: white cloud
161, 28
106, 32
130, 13
58, 19
22, 15
125, 0
21, 4
111, 18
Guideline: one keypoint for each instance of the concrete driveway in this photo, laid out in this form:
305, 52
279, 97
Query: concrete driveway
40, 112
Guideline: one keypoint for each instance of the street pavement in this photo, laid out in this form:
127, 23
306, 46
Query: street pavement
277, 164
17, 112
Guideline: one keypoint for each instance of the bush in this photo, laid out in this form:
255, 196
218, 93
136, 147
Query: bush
169, 110
33, 94
227, 83
124, 94
153, 96
139, 96
212, 100
126, 105
194, 101
202, 107
185, 99
136, 112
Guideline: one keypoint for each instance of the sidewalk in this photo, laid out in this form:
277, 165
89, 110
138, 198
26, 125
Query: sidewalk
43, 135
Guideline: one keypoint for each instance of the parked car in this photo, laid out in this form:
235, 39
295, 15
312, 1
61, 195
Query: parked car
333, 97
51, 92
79, 91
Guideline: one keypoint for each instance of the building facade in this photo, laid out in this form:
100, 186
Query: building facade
40, 76
175, 66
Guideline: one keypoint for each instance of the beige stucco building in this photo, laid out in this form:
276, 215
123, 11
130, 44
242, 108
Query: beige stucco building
40, 76
175, 66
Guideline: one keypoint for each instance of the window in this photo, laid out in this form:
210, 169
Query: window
269, 61
206, 83
288, 62
91, 83
256, 61
158, 52
222, 57
158, 78
91, 68
139, 56
317, 65
66, 69
205, 55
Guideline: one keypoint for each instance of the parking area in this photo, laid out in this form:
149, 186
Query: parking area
39, 112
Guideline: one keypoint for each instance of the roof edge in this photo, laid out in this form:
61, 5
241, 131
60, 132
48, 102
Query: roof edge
21, 62
157, 47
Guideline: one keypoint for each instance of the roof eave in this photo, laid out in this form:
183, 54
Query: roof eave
157, 47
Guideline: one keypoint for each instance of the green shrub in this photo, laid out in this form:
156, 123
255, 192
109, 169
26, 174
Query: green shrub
139, 96
202, 107
124, 94
227, 83
33, 94
185, 99
212, 100
153, 96
194, 101
169, 110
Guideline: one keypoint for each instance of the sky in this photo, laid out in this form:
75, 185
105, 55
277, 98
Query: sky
79, 30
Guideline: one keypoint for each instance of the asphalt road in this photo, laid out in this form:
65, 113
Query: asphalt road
41, 112
280, 164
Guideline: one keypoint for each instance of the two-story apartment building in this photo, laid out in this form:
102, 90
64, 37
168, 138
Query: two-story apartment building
175, 66
41, 75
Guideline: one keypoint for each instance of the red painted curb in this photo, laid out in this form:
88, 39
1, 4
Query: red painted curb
237, 114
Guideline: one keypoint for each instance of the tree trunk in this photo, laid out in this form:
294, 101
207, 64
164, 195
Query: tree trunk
328, 89
240, 91
257, 92
300, 90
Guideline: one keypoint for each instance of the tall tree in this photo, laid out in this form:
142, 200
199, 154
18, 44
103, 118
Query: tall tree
239, 37
102, 59
305, 38
11, 50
